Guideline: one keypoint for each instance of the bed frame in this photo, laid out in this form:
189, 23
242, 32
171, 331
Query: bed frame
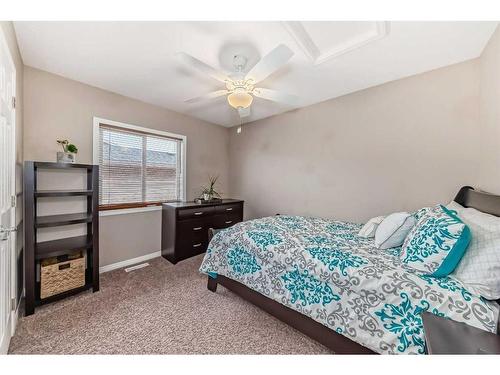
339, 344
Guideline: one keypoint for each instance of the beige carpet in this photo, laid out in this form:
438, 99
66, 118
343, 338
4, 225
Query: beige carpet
160, 309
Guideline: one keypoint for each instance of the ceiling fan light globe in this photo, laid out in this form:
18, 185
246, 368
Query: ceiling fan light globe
240, 99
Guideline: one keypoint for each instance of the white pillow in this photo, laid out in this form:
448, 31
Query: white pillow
370, 227
393, 230
454, 206
479, 268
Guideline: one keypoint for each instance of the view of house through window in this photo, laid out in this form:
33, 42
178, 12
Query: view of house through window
138, 168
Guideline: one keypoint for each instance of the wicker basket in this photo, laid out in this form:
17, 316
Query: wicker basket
60, 276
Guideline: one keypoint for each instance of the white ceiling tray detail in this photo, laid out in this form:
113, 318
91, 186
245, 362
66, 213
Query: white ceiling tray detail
323, 41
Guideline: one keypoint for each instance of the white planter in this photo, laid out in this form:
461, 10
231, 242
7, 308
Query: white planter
66, 157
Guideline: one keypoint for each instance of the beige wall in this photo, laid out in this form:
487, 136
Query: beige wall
10, 36
398, 146
57, 107
489, 109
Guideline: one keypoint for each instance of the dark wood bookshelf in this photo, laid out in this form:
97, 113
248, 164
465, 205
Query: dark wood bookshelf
51, 165
36, 251
62, 193
48, 249
63, 295
64, 219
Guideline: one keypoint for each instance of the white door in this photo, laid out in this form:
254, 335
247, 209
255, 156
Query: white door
7, 191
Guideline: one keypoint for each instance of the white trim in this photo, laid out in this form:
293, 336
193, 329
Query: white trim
129, 262
95, 141
95, 150
123, 211
99, 120
5, 342
17, 313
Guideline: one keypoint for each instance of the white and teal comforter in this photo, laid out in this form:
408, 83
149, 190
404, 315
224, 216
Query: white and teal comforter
324, 270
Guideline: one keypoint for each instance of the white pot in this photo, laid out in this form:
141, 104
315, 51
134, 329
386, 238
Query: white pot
66, 157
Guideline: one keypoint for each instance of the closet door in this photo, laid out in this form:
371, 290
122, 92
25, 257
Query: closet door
7, 192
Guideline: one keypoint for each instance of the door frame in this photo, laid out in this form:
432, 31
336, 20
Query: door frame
12, 238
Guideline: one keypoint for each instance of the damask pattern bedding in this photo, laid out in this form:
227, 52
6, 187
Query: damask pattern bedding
323, 269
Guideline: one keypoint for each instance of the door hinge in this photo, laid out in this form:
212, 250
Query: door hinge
13, 201
13, 102
13, 304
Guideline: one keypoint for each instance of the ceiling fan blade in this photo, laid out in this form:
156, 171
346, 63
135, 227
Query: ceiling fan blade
202, 67
270, 63
244, 112
276, 96
210, 95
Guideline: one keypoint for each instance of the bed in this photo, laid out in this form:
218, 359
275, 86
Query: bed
320, 277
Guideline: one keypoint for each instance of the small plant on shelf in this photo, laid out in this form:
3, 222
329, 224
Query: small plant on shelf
68, 155
208, 193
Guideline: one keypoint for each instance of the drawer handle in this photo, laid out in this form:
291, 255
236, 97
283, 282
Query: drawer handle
64, 266
198, 213
197, 245
229, 209
197, 228
229, 222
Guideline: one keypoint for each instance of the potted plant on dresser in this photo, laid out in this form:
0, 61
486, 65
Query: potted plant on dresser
209, 194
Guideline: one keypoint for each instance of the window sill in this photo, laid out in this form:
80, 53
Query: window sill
124, 211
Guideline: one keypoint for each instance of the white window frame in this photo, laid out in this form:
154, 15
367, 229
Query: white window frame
122, 125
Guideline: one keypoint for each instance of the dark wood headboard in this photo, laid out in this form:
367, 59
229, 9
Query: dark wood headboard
480, 200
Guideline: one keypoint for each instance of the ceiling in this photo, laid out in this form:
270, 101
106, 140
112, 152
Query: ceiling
138, 59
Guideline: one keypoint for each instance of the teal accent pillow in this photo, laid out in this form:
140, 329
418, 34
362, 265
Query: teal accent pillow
436, 243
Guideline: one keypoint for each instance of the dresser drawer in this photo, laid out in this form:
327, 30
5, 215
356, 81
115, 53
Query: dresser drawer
226, 220
192, 238
228, 208
186, 250
190, 245
195, 213
193, 230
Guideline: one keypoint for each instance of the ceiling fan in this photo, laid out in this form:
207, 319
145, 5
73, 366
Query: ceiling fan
240, 87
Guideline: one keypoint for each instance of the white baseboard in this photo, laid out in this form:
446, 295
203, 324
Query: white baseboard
10, 329
129, 262
16, 313
6, 336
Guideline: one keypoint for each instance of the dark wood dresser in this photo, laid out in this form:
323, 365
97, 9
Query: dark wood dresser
185, 226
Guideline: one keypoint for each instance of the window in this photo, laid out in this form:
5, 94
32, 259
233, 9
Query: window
138, 167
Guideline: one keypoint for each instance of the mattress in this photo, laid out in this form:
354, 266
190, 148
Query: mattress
323, 269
